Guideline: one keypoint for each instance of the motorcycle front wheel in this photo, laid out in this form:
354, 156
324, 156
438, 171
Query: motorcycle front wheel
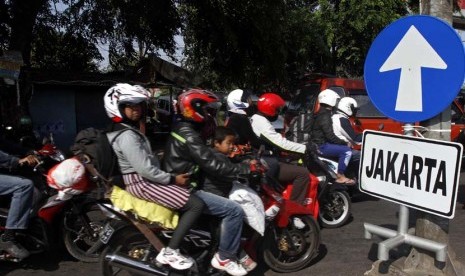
81, 232
291, 248
335, 211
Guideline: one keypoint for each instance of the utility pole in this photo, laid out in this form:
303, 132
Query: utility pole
419, 261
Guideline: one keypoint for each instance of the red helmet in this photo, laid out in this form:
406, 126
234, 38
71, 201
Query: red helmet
270, 104
192, 104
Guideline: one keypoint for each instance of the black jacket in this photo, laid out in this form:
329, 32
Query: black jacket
240, 123
322, 129
215, 183
185, 151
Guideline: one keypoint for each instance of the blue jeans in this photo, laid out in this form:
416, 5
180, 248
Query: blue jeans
232, 217
21, 202
342, 152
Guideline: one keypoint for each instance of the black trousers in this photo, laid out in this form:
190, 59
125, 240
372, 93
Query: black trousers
298, 176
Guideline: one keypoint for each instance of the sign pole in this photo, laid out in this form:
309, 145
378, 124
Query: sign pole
430, 226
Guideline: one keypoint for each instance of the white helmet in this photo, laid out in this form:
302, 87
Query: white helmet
348, 106
123, 93
237, 101
328, 97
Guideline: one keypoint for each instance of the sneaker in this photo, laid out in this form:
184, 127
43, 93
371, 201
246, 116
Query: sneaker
175, 259
13, 248
231, 267
298, 223
248, 263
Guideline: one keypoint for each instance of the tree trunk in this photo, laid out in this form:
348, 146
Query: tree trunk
429, 226
22, 24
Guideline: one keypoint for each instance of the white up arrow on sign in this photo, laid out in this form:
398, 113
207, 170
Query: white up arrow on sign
411, 54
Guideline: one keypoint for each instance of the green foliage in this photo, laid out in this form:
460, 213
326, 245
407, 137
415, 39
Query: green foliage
269, 44
261, 44
352, 27
53, 50
132, 29
248, 43
68, 32
58, 48
4, 25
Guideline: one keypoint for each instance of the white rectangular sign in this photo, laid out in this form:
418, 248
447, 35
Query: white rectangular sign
416, 172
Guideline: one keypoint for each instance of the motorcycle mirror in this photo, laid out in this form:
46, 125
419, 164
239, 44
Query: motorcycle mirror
45, 140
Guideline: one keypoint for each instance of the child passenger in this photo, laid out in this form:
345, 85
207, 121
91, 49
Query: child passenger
224, 140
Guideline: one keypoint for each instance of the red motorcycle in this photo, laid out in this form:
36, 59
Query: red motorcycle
292, 235
286, 246
73, 220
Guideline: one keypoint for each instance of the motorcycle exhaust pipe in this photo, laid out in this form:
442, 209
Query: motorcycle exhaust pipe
132, 265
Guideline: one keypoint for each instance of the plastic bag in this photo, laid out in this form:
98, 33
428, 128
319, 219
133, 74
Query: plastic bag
252, 205
69, 177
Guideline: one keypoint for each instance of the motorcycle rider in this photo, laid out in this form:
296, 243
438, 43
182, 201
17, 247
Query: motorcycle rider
323, 135
240, 108
269, 107
21, 204
343, 129
125, 105
186, 151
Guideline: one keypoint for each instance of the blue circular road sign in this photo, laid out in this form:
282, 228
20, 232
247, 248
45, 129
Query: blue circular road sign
415, 68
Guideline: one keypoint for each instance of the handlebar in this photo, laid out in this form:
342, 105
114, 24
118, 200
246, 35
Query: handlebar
36, 167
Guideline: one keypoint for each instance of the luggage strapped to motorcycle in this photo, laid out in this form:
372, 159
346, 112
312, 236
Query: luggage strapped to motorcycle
89, 144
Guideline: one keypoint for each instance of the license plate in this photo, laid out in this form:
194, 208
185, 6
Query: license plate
107, 232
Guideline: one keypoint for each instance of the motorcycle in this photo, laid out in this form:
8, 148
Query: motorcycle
133, 244
331, 205
73, 220
335, 203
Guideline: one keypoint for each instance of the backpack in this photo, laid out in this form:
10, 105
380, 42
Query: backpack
300, 128
94, 149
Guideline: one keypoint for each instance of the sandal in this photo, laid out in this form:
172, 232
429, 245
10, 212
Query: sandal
348, 182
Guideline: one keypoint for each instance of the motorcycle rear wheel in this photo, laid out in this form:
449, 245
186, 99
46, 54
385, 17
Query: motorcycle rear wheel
291, 249
336, 210
81, 233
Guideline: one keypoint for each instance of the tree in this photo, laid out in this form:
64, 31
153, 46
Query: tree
4, 26
263, 43
350, 28
59, 49
132, 29
19, 23
247, 43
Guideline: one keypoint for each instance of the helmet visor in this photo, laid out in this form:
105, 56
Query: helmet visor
281, 111
213, 105
133, 101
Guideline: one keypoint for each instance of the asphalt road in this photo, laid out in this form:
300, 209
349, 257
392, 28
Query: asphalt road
344, 251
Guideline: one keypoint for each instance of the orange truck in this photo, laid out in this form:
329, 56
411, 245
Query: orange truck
368, 116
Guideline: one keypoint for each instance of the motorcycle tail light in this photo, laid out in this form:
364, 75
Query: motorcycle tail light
58, 156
